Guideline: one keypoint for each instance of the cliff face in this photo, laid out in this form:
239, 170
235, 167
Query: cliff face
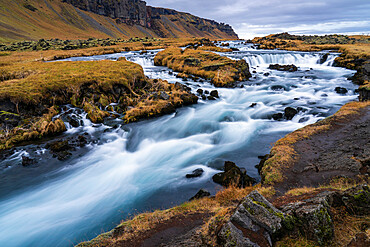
164, 22
127, 11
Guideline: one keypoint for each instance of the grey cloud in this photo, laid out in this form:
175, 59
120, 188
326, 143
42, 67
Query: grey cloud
260, 17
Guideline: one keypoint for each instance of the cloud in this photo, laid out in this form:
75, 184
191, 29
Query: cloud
261, 17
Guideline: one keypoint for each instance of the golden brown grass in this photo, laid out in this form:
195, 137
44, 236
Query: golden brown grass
214, 48
283, 154
222, 71
43, 81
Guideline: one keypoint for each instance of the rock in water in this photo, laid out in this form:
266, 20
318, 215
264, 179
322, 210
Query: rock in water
214, 93
27, 161
341, 90
196, 173
278, 116
233, 175
201, 193
289, 68
289, 113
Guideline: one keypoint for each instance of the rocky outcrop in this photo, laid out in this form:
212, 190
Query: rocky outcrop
126, 11
254, 223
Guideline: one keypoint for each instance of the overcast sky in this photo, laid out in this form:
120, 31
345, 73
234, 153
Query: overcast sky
251, 18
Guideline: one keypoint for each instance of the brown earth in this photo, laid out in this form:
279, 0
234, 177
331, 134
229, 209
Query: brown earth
343, 150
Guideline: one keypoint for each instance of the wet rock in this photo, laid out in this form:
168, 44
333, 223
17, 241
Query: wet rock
214, 93
164, 96
360, 240
200, 91
27, 161
206, 92
254, 223
357, 200
303, 120
277, 116
211, 98
341, 90
196, 173
266, 74
253, 105
201, 194
277, 88
233, 175
289, 113
289, 68
204, 97
324, 58
74, 121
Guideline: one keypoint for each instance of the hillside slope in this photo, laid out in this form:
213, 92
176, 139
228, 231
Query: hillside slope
73, 19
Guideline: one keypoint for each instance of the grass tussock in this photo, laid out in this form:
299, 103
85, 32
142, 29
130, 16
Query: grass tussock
222, 71
283, 155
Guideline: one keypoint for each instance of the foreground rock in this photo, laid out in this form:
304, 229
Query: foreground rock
288, 68
233, 176
254, 223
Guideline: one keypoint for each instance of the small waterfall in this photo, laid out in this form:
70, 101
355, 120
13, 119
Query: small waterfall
264, 59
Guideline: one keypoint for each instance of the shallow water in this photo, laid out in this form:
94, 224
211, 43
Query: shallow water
142, 166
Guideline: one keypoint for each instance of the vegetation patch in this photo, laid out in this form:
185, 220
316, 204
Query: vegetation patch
222, 71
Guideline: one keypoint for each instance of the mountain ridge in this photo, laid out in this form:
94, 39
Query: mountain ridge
81, 19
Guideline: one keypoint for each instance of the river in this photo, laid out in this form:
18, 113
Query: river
142, 166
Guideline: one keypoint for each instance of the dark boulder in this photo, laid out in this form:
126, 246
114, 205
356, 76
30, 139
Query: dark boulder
201, 194
253, 105
214, 93
324, 58
290, 112
341, 90
200, 91
27, 161
233, 176
277, 116
277, 88
289, 68
196, 173
74, 121
211, 98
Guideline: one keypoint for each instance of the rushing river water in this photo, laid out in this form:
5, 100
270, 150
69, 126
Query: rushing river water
142, 166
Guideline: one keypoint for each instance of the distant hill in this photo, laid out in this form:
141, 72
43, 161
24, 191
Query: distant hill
81, 19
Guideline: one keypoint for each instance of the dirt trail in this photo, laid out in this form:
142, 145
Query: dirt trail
343, 150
